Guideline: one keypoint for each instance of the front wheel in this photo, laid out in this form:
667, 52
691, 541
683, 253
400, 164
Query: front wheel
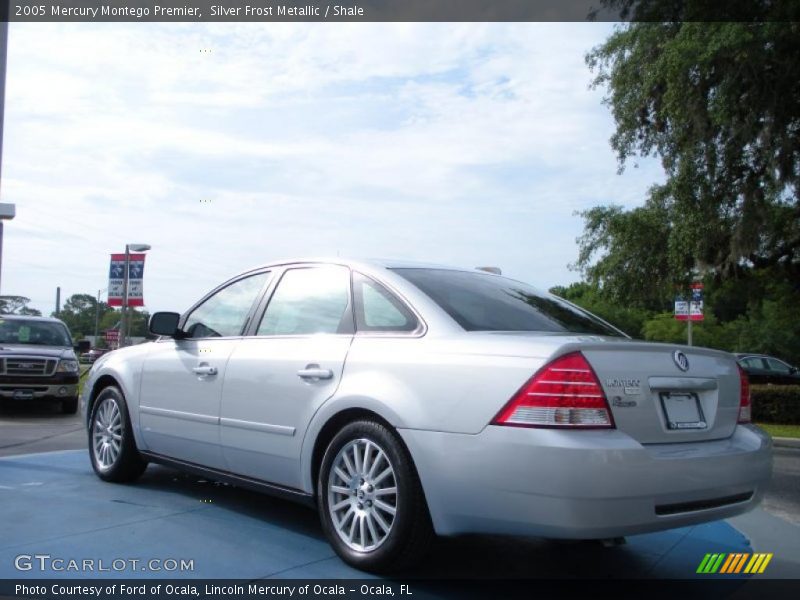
371, 503
112, 448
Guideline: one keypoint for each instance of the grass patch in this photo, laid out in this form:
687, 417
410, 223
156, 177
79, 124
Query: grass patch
790, 431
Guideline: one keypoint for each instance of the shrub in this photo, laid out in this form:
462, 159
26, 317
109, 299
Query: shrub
776, 404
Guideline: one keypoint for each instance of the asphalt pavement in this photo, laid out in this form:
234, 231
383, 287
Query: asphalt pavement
176, 514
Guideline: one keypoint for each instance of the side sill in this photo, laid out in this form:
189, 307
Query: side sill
241, 481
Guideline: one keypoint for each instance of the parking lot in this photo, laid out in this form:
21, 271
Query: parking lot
53, 504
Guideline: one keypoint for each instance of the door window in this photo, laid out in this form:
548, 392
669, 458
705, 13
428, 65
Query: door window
225, 313
778, 366
309, 300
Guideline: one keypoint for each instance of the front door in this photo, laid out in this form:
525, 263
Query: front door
181, 389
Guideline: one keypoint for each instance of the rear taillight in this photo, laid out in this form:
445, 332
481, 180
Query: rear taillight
564, 393
744, 396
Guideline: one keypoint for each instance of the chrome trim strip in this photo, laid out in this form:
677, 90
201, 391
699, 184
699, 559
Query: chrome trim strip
255, 426
178, 414
682, 383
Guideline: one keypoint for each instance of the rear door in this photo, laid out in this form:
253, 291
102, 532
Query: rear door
277, 378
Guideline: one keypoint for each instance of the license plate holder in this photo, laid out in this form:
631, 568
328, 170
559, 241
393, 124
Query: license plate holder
682, 411
23, 395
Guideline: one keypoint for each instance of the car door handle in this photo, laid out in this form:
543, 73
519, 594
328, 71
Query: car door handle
205, 370
314, 372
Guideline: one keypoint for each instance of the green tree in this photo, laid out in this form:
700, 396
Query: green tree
719, 103
17, 305
79, 313
629, 319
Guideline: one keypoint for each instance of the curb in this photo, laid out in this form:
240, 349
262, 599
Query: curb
784, 442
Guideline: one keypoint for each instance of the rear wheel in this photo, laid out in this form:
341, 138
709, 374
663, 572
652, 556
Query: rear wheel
112, 448
370, 500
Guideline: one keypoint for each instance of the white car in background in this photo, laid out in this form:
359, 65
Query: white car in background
405, 400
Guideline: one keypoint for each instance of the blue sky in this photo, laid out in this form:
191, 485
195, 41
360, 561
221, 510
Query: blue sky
228, 145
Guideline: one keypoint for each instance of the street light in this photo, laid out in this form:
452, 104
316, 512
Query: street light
7, 212
123, 327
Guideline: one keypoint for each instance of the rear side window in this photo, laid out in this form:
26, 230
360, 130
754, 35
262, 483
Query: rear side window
753, 363
483, 302
378, 310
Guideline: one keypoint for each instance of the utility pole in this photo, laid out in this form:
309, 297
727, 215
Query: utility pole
3, 52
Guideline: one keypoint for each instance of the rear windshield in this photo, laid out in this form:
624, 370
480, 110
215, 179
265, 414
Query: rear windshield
35, 333
482, 302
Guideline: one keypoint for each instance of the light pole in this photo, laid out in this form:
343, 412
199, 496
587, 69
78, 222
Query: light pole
97, 316
123, 327
7, 212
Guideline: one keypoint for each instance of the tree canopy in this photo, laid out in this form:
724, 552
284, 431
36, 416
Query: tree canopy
17, 305
719, 104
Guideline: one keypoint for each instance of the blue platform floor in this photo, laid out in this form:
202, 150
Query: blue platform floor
53, 504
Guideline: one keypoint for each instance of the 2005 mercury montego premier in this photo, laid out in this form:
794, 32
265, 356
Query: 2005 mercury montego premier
404, 400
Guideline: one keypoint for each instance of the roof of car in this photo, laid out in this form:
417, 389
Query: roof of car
386, 263
30, 318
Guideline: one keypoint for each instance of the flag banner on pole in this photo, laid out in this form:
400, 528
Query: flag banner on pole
116, 280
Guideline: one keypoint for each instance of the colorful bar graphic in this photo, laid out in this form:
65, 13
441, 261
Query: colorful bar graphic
734, 563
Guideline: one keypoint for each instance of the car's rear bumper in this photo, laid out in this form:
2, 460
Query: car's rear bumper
584, 484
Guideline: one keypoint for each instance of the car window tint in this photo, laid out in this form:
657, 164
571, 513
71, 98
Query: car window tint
224, 314
776, 365
751, 363
482, 302
307, 301
378, 309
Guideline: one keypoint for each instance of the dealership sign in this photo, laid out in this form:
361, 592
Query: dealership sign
690, 310
116, 280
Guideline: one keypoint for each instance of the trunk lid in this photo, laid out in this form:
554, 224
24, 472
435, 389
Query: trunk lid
663, 393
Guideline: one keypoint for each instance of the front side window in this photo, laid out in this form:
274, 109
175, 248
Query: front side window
309, 300
225, 313
482, 302
378, 310
778, 366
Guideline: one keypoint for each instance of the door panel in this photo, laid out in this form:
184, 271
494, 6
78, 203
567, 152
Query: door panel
179, 408
267, 405
276, 381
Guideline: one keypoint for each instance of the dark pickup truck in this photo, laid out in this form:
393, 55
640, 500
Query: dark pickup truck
38, 361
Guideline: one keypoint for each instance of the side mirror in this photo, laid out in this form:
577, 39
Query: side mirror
164, 323
83, 346
792, 370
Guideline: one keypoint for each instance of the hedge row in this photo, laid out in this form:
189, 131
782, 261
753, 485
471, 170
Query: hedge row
776, 404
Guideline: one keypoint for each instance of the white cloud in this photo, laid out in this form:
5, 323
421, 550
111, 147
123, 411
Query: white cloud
463, 143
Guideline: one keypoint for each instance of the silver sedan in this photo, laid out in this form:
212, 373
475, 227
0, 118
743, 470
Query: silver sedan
406, 400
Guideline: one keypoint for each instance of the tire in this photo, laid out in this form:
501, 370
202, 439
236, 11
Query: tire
69, 406
112, 449
357, 524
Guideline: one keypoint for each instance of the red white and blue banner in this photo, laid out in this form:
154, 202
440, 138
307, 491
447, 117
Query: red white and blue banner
691, 310
116, 280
